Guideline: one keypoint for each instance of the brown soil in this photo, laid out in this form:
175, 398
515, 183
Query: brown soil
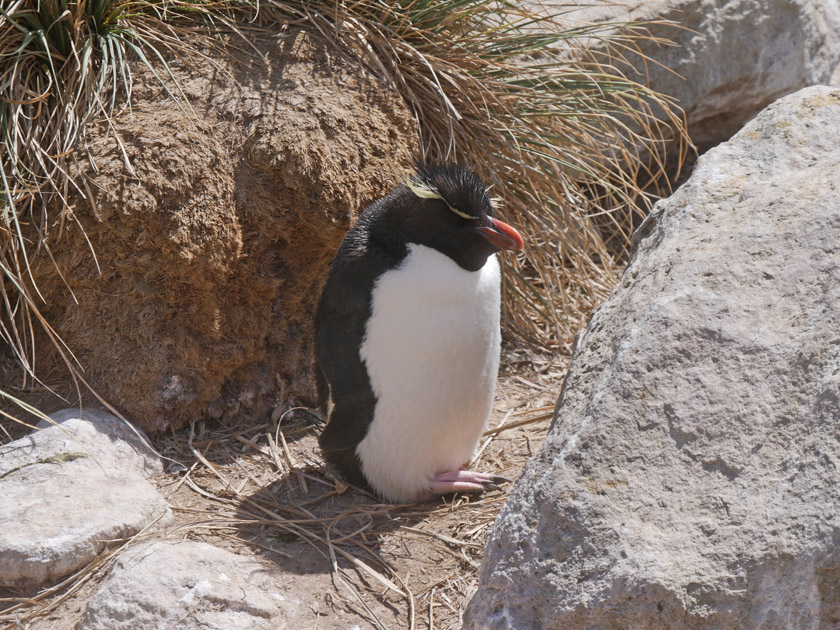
194, 296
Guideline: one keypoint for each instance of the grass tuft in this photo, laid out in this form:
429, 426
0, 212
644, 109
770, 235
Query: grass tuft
570, 142
62, 64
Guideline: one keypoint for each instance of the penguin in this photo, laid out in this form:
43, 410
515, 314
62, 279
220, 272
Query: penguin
407, 336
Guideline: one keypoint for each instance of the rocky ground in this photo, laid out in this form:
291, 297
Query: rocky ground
241, 528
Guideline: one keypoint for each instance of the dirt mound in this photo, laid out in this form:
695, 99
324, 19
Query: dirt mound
209, 256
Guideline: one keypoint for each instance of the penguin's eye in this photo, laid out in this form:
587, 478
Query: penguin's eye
463, 215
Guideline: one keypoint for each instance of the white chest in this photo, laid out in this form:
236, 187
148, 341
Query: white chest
432, 354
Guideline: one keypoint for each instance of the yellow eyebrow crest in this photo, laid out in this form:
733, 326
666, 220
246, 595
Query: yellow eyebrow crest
463, 215
424, 191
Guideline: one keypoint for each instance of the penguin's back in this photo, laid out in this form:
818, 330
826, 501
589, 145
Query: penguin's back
431, 351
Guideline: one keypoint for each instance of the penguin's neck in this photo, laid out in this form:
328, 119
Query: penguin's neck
429, 276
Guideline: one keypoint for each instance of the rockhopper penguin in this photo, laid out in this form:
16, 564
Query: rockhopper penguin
407, 336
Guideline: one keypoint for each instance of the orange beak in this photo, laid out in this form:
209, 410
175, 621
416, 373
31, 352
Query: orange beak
502, 236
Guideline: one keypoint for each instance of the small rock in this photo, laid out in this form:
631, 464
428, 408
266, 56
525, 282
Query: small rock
185, 585
69, 488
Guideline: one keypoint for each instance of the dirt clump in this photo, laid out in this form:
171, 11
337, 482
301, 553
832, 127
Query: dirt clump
193, 298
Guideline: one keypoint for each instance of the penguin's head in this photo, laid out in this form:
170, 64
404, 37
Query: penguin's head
448, 208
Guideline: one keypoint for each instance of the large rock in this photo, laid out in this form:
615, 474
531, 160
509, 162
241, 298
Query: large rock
730, 58
691, 477
66, 490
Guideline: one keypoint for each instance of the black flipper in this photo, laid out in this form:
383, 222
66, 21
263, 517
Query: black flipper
340, 321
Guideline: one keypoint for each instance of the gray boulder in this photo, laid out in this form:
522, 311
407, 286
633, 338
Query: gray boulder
187, 585
69, 488
691, 476
731, 57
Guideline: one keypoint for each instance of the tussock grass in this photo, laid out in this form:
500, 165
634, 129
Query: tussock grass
62, 63
567, 139
539, 102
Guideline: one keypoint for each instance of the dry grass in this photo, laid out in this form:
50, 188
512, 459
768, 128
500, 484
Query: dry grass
61, 64
568, 140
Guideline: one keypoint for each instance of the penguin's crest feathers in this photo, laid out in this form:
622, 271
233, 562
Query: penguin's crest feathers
457, 186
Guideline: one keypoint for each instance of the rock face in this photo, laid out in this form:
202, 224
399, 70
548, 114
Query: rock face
65, 491
731, 57
691, 477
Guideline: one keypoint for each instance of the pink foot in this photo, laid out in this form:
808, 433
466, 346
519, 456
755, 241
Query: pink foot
461, 481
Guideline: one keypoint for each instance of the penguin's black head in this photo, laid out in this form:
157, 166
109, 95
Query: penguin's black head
448, 208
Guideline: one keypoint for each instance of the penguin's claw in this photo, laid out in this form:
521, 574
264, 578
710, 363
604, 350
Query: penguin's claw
461, 481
